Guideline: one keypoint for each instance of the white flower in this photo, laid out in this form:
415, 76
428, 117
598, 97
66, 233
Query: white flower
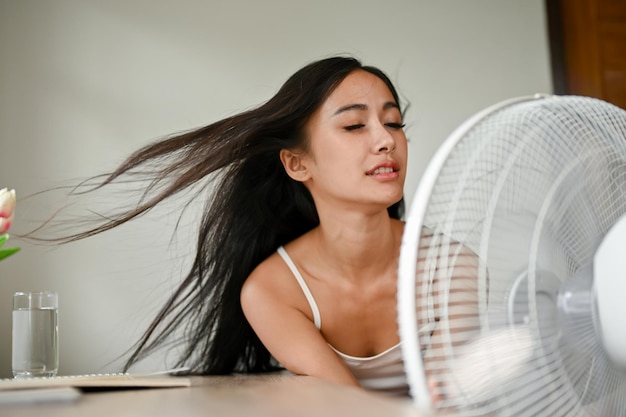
7, 209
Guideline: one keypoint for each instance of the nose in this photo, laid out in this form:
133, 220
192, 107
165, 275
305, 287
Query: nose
385, 142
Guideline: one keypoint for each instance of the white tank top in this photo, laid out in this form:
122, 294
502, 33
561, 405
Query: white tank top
383, 372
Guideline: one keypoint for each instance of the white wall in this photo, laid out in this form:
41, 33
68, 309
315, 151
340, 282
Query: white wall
84, 82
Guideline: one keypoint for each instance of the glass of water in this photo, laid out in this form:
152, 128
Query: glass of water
35, 334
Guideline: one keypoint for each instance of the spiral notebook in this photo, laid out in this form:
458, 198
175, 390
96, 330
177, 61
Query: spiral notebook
161, 379
69, 388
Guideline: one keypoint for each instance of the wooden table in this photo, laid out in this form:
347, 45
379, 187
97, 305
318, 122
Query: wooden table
273, 395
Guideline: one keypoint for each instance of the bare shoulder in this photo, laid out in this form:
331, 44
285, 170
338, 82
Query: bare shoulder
265, 275
270, 284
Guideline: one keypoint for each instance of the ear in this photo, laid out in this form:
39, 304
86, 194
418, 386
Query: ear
295, 165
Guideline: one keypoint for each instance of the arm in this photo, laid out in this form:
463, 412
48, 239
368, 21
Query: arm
275, 308
452, 282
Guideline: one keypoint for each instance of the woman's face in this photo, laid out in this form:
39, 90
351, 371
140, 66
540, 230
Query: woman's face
357, 149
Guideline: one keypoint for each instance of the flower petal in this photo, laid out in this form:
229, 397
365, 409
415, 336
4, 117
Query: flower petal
7, 203
5, 224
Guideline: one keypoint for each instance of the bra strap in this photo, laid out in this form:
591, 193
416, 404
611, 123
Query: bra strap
317, 320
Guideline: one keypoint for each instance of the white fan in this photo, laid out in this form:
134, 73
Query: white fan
512, 276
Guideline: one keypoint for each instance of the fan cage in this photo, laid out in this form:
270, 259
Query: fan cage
495, 295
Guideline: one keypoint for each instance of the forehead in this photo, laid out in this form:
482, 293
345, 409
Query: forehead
359, 87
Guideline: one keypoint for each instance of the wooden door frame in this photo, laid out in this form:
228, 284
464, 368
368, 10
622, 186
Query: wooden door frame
556, 46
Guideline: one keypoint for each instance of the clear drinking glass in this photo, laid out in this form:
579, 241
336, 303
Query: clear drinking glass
35, 334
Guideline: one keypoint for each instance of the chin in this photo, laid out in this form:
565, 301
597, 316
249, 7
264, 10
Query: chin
395, 197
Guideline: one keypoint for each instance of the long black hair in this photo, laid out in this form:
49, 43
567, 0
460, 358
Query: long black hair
254, 207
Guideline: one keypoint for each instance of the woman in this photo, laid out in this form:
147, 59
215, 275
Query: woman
317, 172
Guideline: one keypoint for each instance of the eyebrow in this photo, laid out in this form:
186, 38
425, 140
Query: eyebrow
363, 107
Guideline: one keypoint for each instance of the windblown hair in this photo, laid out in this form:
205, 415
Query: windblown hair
254, 207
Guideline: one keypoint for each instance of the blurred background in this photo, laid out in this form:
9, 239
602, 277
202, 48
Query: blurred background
85, 82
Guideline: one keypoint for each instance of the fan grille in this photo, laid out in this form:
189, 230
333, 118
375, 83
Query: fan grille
507, 232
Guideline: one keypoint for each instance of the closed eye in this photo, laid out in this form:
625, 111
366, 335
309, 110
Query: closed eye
354, 127
395, 125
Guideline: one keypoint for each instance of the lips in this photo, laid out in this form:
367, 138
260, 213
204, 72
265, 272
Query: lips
384, 168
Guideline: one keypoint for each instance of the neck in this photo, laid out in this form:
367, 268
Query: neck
357, 244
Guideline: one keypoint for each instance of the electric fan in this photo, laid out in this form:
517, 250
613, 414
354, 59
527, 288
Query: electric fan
512, 275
